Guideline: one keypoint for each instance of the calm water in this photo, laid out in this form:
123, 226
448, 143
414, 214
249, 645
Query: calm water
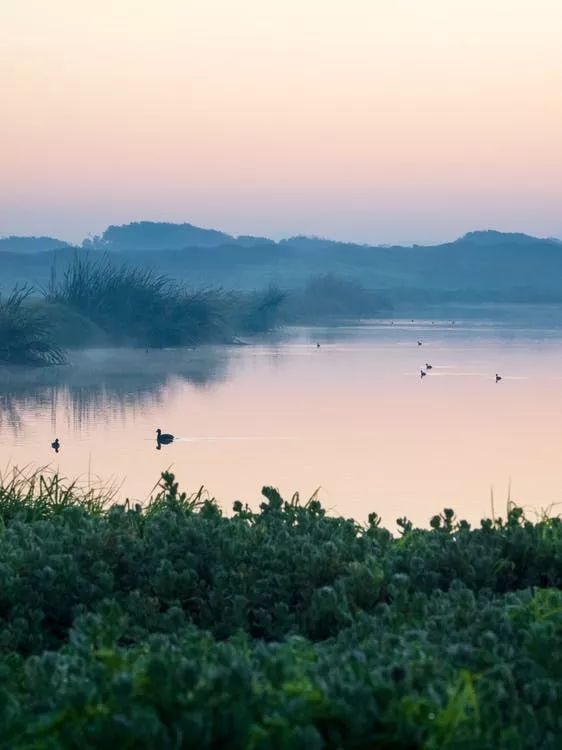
352, 417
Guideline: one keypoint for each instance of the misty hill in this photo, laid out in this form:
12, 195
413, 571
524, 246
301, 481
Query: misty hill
150, 235
481, 266
30, 244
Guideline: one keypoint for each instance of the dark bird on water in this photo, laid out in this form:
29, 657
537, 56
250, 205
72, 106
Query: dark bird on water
317, 345
163, 438
55, 445
498, 378
428, 366
422, 374
419, 343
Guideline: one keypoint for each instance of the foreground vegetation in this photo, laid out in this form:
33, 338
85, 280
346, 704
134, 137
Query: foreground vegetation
175, 626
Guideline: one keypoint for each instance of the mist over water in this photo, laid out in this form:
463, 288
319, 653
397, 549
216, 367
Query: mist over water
352, 417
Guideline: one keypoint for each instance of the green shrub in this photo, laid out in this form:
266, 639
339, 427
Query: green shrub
176, 626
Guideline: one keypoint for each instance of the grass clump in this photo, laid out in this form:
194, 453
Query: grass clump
176, 626
25, 336
138, 306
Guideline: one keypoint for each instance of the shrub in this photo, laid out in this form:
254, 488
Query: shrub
175, 626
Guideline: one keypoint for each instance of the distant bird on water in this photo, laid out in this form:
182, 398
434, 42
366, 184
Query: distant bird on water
55, 445
422, 374
498, 378
163, 438
419, 343
318, 345
428, 366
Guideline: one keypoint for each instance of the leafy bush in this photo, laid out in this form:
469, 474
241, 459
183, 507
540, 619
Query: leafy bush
25, 337
175, 626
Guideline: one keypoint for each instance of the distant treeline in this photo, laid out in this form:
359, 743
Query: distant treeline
97, 302
484, 266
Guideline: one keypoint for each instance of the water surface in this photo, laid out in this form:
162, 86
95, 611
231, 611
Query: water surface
352, 417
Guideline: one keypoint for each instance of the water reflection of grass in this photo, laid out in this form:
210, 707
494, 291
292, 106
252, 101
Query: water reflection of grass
102, 382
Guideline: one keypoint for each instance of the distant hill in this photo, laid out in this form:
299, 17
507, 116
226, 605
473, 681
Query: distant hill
481, 266
150, 235
30, 244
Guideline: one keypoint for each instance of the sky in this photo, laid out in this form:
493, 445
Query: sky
366, 120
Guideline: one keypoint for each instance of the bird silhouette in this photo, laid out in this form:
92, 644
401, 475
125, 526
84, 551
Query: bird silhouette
422, 374
163, 438
498, 378
55, 445
428, 366
419, 343
318, 345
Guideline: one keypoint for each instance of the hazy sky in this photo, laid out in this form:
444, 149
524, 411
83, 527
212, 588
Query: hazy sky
370, 120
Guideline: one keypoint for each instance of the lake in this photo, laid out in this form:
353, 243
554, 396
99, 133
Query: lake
352, 417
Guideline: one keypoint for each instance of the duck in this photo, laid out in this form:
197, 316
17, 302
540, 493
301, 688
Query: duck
428, 366
55, 445
318, 345
498, 378
163, 438
419, 343
422, 374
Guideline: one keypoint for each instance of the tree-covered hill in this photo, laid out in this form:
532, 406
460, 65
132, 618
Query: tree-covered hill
482, 266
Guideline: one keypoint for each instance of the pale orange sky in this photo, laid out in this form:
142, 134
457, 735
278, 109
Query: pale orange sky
370, 120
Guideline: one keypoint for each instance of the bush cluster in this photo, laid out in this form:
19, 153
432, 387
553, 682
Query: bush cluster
176, 626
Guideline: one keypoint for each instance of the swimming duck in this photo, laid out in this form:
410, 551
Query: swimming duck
428, 366
498, 378
422, 374
163, 438
55, 445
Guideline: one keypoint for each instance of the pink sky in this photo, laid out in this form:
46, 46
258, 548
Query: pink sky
368, 120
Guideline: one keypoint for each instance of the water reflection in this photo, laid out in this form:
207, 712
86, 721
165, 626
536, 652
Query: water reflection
102, 383
351, 416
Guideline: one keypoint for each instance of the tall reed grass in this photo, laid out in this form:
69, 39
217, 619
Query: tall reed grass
25, 336
140, 306
31, 494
